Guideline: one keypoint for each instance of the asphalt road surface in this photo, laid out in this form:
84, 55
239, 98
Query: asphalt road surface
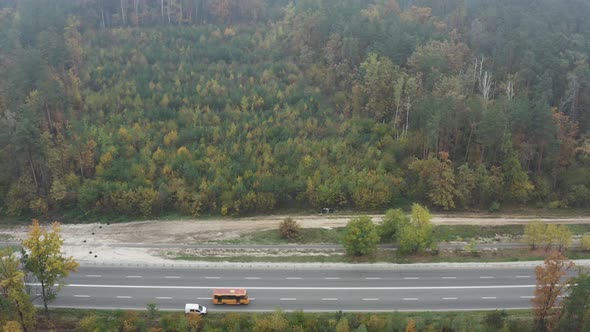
421, 289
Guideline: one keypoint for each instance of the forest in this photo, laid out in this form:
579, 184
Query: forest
233, 107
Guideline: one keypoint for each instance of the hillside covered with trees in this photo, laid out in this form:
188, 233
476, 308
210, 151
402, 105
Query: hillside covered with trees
144, 107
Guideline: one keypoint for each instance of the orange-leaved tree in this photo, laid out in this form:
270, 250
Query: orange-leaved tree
43, 258
551, 282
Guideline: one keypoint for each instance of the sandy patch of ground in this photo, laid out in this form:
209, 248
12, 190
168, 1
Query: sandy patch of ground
249, 252
97, 255
211, 230
80, 239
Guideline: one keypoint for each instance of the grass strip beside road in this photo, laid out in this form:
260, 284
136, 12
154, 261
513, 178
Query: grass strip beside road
389, 256
75, 319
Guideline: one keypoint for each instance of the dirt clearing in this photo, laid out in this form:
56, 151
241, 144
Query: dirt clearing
85, 241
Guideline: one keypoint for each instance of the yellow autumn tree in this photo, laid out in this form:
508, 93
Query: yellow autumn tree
43, 258
411, 326
12, 326
12, 286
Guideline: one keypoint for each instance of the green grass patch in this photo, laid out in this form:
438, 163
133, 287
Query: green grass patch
445, 233
308, 236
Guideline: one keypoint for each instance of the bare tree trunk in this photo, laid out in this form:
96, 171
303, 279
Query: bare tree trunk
168, 9
407, 118
510, 89
469, 142
22, 318
136, 5
33, 172
44, 298
50, 122
181, 13
485, 82
81, 165
123, 12
104, 24
481, 154
540, 159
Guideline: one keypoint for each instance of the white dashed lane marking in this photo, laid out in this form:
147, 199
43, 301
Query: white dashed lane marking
527, 297
488, 298
371, 299
134, 277
449, 298
81, 295
449, 277
329, 299
212, 277
288, 299
332, 278
93, 276
293, 278
410, 299
163, 298
172, 277
124, 297
486, 277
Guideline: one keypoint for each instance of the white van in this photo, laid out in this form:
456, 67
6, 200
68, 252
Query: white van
192, 308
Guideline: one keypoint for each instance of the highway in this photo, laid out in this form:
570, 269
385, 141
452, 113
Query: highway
368, 290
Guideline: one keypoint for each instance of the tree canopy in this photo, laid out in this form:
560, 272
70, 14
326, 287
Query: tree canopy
141, 108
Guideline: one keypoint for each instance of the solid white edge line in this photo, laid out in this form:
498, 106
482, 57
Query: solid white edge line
297, 288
